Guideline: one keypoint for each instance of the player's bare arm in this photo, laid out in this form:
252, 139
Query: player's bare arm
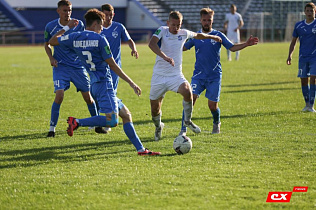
291, 50
48, 50
153, 45
132, 45
71, 24
114, 67
250, 42
207, 36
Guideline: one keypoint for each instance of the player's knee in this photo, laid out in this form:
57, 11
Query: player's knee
125, 115
113, 121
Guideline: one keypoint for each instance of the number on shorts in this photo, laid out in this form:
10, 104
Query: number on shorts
193, 86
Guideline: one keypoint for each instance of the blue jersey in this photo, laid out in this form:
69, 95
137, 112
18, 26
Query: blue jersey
116, 33
93, 49
207, 53
307, 35
63, 55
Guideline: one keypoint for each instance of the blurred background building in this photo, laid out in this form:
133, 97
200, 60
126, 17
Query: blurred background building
23, 22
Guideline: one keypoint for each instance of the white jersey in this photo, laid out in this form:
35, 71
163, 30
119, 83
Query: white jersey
171, 45
233, 22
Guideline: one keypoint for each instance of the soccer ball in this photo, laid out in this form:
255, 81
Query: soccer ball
182, 145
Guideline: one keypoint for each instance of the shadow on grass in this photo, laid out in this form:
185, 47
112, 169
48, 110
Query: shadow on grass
166, 120
261, 84
258, 90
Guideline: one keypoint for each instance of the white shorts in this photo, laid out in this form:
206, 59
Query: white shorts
161, 84
233, 37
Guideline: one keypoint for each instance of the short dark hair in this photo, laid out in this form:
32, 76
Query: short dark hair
175, 15
107, 7
63, 3
206, 11
310, 4
93, 15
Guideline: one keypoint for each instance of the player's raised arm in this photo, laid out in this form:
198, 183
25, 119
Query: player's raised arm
207, 36
153, 45
54, 40
251, 41
122, 75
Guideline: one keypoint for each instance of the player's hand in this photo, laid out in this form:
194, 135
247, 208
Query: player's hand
73, 23
53, 62
137, 89
134, 53
288, 61
252, 41
217, 38
169, 60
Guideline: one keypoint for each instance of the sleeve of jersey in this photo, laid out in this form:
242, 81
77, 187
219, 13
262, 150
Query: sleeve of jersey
190, 34
105, 48
66, 40
225, 41
189, 44
158, 33
295, 31
240, 17
125, 35
47, 35
81, 28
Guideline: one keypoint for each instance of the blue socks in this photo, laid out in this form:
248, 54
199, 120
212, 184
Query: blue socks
54, 114
312, 95
131, 134
216, 116
94, 121
305, 91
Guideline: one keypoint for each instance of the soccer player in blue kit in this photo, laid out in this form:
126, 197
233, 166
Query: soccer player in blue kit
116, 32
305, 30
66, 66
207, 72
94, 50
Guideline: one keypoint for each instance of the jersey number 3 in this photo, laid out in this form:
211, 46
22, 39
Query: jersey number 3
89, 61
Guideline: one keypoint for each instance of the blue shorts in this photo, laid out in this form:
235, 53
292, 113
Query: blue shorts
213, 88
62, 76
103, 94
306, 68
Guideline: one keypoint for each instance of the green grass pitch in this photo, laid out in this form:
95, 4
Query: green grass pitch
266, 142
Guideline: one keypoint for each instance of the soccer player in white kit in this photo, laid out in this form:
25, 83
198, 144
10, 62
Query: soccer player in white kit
233, 23
167, 43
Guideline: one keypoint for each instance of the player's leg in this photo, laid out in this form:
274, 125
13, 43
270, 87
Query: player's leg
130, 131
185, 90
158, 90
109, 120
59, 97
213, 90
229, 56
213, 106
197, 87
107, 102
303, 74
183, 130
312, 86
156, 116
312, 93
61, 84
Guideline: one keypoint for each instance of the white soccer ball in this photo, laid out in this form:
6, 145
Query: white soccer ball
182, 145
